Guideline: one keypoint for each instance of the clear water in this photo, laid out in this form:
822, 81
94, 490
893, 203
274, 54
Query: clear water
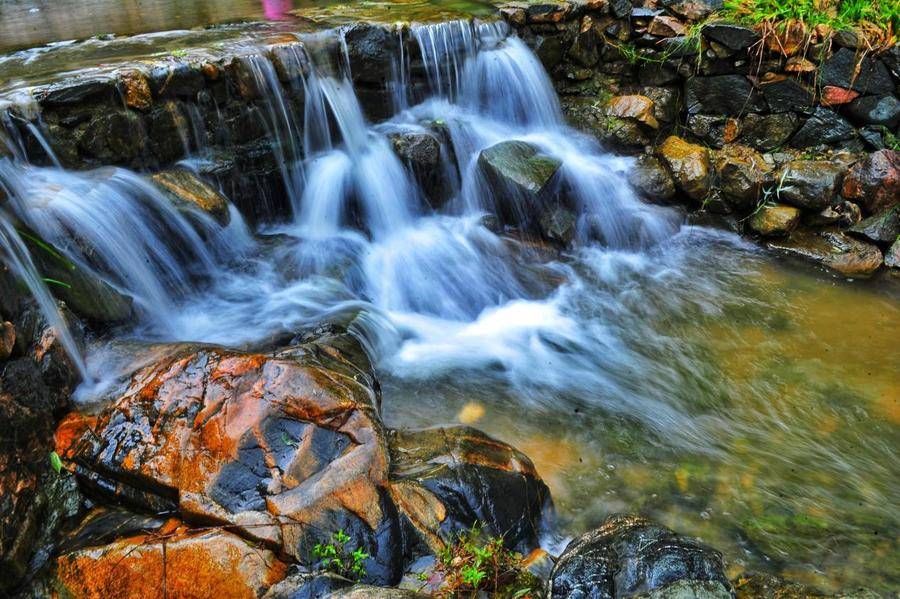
671, 370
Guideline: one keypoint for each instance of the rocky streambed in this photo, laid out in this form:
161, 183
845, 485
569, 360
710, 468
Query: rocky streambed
294, 270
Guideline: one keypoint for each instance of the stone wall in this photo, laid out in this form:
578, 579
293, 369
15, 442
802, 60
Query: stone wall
792, 142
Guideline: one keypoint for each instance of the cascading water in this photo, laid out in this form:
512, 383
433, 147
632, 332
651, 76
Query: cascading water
605, 346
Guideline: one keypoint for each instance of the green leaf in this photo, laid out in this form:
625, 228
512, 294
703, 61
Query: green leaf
55, 282
56, 462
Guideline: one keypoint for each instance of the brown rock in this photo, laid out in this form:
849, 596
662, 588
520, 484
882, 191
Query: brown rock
213, 564
809, 184
892, 255
666, 26
187, 190
742, 172
774, 220
837, 96
639, 108
788, 41
513, 14
834, 250
874, 183
798, 64
7, 340
136, 89
689, 164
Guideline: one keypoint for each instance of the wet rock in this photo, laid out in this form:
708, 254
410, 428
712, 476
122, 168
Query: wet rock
874, 183
421, 151
651, 179
176, 80
520, 174
290, 62
189, 194
844, 69
665, 102
876, 110
371, 49
514, 15
243, 72
184, 563
628, 555
733, 37
689, 165
165, 123
823, 127
448, 479
547, 12
881, 228
558, 225
77, 90
842, 214
892, 255
620, 8
693, 10
7, 340
775, 220
85, 294
114, 137
637, 107
742, 172
837, 96
730, 95
809, 184
135, 89
767, 132
290, 449
786, 94
320, 586
585, 48
666, 26
689, 589
834, 250
713, 130
550, 50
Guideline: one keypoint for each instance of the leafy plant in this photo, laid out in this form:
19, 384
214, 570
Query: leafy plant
476, 563
56, 462
337, 557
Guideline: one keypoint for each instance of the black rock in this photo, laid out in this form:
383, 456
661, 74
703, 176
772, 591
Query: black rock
881, 228
787, 95
823, 127
620, 8
628, 555
179, 80
875, 110
840, 70
730, 95
770, 131
734, 37
76, 91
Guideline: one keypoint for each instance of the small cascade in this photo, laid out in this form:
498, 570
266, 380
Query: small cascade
119, 226
14, 253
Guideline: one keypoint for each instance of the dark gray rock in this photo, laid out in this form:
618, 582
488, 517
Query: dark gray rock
730, 95
881, 228
176, 80
809, 184
652, 179
787, 95
769, 131
708, 128
824, 127
76, 91
875, 110
693, 10
734, 37
620, 8
841, 70
628, 555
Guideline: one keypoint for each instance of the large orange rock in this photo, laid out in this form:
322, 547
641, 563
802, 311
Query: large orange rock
689, 164
211, 564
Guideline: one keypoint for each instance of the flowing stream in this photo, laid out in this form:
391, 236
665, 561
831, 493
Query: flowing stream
668, 368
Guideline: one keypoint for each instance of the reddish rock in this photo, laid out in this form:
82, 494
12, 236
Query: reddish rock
211, 564
136, 89
837, 96
874, 183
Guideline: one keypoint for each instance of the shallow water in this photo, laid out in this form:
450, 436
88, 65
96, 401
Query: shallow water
661, 368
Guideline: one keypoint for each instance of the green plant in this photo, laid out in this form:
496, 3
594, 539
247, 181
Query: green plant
337, 557
475, 562
891, 141
56, 462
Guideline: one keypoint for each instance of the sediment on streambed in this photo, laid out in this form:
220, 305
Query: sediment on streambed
255, 297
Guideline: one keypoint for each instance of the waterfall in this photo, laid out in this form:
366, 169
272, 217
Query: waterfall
15, 254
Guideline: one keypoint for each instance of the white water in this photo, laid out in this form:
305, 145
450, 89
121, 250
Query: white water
434, 294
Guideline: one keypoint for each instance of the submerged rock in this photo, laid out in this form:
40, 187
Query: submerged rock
773, 220
188, 193
874, 182
689, 164
764, 586
320, 586
628, 555
809, 184
834, 250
